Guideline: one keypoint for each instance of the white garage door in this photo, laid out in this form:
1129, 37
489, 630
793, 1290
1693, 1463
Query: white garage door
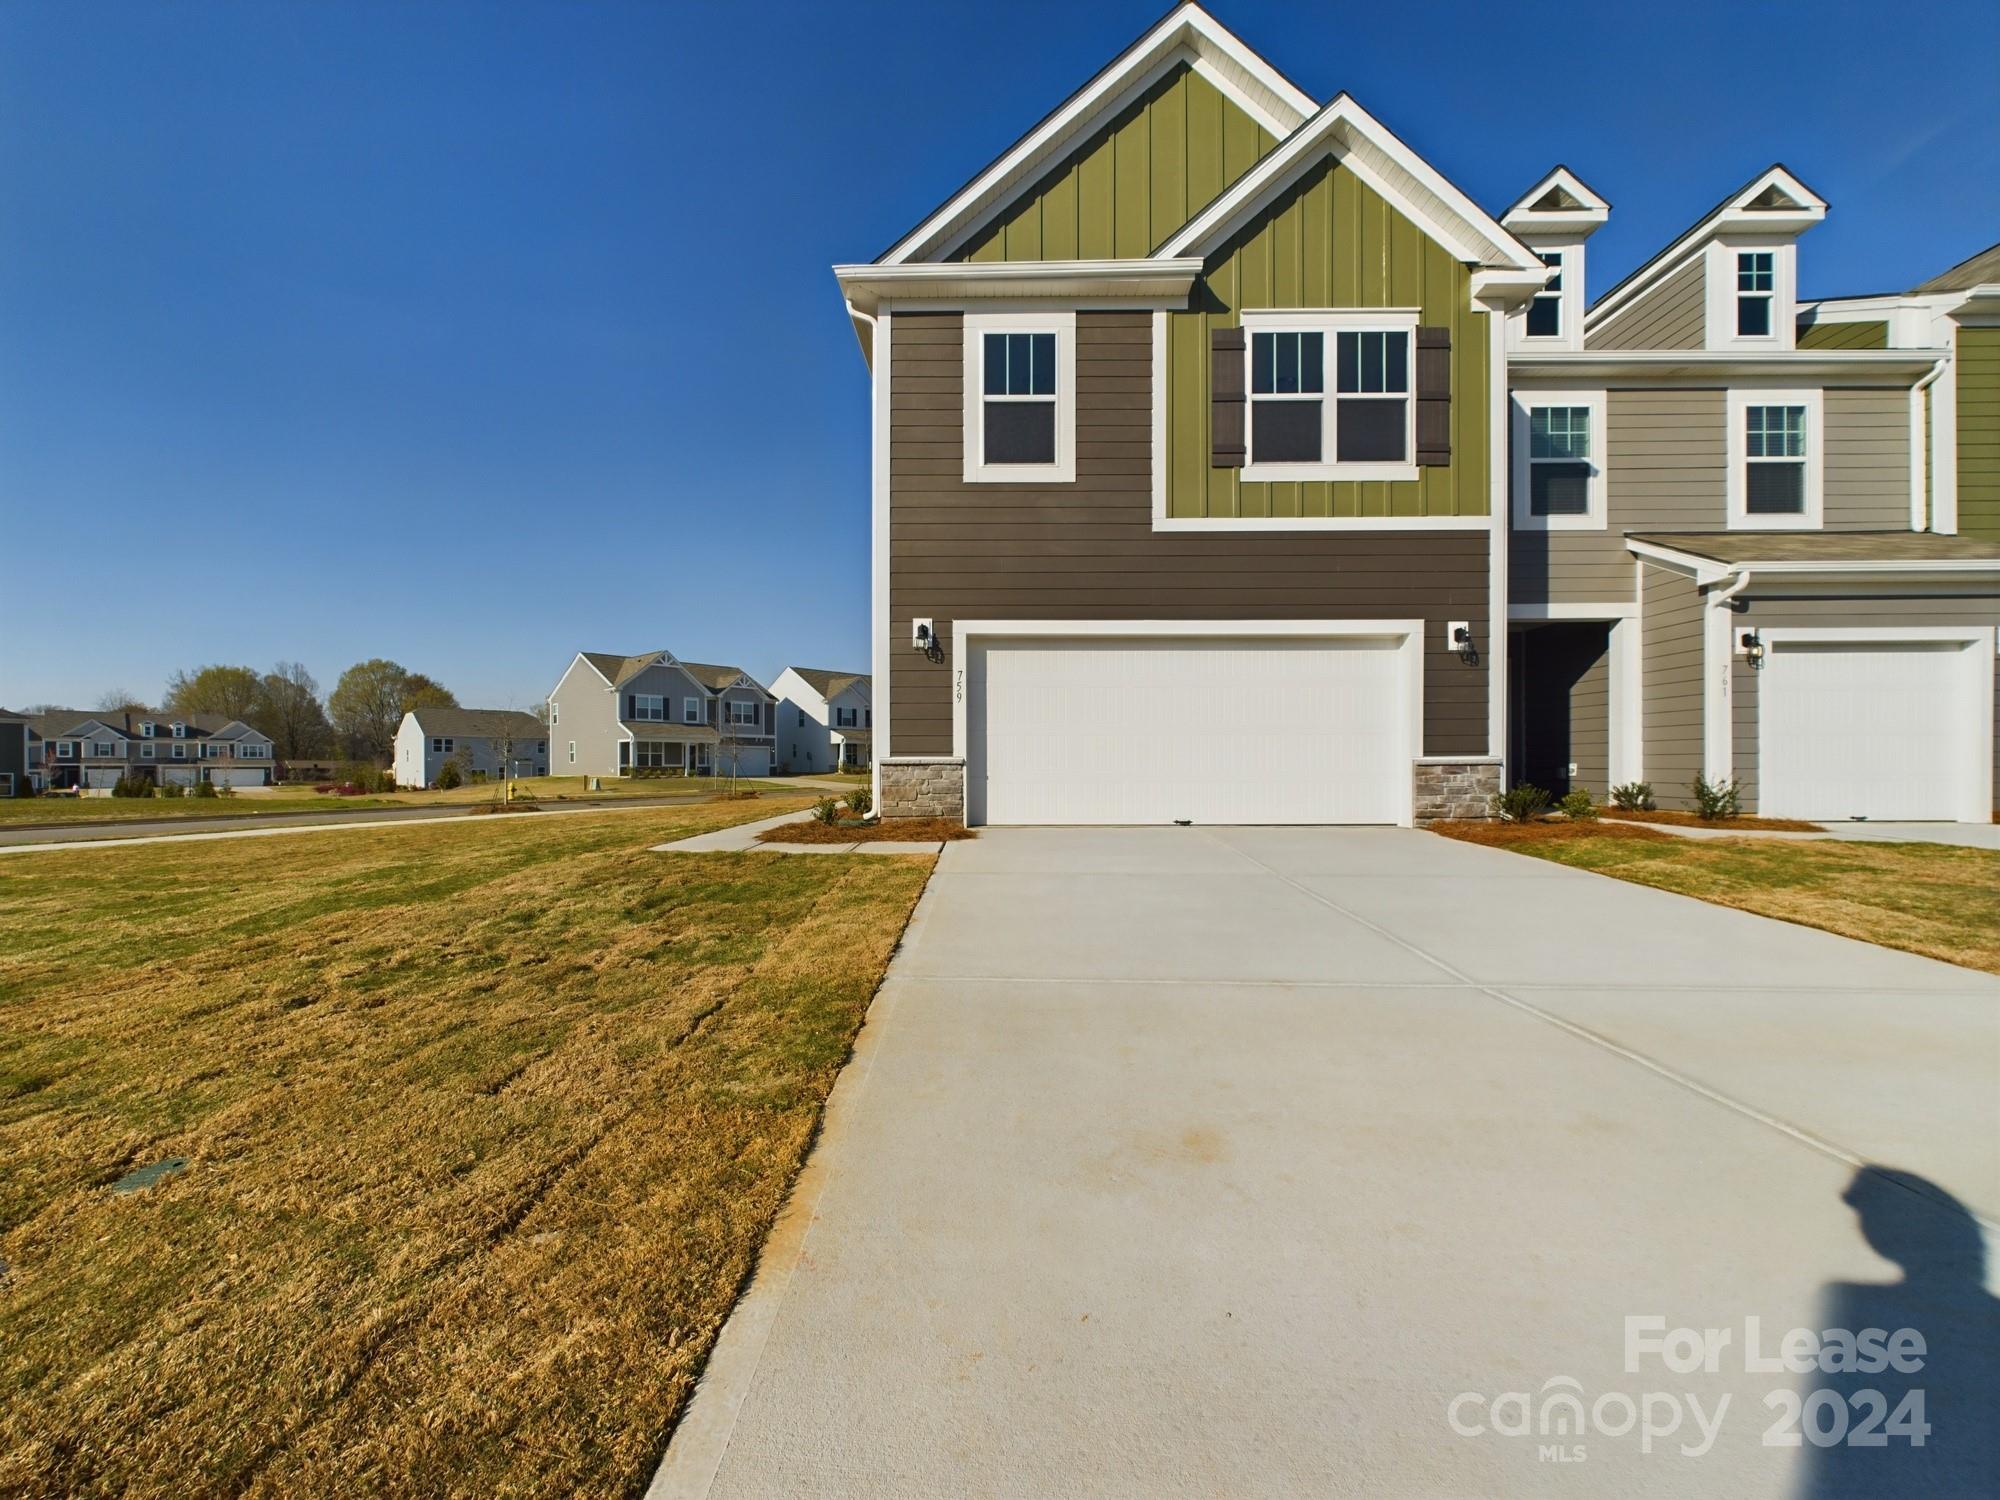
1885, 730
1209, 731
240, 776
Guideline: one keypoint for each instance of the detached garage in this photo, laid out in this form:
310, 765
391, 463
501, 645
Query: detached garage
1098, 723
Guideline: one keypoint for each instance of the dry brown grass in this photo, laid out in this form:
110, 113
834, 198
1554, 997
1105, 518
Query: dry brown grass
849, 831
1505, 835
486, 1122
1933, 899
1681, 819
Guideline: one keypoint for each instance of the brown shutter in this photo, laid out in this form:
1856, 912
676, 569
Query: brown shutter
1225, 398
1433, 396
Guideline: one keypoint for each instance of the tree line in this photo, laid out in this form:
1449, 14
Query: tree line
357, 719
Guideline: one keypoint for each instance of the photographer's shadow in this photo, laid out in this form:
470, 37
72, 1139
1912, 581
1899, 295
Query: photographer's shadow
1942, 1295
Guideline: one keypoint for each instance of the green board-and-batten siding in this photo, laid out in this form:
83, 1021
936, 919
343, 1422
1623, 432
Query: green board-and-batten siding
1331, 241
1844, 336
1133, 183
1978, 375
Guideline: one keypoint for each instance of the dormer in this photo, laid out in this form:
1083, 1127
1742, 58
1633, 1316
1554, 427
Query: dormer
1554, 218
1728, 285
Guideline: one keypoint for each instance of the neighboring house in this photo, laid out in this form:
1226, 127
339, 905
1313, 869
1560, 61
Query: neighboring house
95, 750
1232, 465
16, 765
1725, 560
488, 741
1956, 314
826, 720
655, 715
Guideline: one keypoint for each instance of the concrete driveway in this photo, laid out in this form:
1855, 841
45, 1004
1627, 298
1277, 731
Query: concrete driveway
1271, 1161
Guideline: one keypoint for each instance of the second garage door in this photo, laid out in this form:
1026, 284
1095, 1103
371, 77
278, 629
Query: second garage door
1206, 731
1868, 729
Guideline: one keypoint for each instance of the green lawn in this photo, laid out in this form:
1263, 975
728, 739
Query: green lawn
1934, 899
269, 801
484, 1124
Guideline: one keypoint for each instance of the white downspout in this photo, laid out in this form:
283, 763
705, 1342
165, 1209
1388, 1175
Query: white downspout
1919, 454
1718, 701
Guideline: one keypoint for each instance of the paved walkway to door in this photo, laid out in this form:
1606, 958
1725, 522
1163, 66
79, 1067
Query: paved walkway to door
1205, 1161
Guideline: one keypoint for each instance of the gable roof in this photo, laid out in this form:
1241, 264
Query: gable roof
828, 684
1416, 188
479, 723
1755, 205
1185, 34
720, 678
615, 669
1561, 203
1977, 270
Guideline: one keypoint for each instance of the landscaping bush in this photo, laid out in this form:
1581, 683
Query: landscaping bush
202, 789
1715, 799
1579, 805
132, 786
1633, 796
859, 801
1521, 804
448, 776
172, 789
826, 810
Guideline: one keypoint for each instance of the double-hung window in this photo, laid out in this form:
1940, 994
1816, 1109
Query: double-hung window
1330, 396
1756, 293
1020, 398
65, 749
440, 746
649, 706
690, 710
742, 715
1775, 442
1559, 469
103, 749
846, 718
1545, 312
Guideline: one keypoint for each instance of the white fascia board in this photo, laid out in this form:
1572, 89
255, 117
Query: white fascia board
1861, 365
1707, 570
1704, 570
1411, 184
1089, 282
1731, 216
1188, 33
1591, 213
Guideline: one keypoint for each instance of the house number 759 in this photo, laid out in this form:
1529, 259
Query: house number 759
958, 685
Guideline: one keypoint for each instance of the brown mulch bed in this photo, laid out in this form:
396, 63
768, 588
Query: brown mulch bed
850, 831
1696, 820
1492, 831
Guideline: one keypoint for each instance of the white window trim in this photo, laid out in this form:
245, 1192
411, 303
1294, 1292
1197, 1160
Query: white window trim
1329, 322
1720, 278
1062, 323
555, 714
694, 716
146, 727
1740, 400
755, 721
145, 752
180, 730
639, 715
180, 752
572, 752
1592, 519
1569, 299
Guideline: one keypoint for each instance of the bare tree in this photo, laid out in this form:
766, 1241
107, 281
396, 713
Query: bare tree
289, 711
118, 701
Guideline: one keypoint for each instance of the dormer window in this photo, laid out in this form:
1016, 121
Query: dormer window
146, 729
180, 730
1756, 289
1545, 312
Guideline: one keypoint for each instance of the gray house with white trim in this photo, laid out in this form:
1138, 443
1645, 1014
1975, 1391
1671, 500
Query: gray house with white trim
826, 720
495, 742
655, 715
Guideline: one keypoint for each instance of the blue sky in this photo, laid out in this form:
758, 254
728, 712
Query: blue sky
472, 335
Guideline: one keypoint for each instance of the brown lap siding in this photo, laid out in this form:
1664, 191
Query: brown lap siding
1088, 551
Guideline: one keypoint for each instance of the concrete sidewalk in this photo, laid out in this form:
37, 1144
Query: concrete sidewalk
742, 839
1198, 1162
1963, 835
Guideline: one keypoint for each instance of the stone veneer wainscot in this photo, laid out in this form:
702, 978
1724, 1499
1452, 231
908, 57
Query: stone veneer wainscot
923, 788
1455, 789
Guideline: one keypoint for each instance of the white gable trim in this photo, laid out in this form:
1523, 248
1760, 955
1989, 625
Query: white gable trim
1732, 215
1188, 34
1361, 142
1591, 213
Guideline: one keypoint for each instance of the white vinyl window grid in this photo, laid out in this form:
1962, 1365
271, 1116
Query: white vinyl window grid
103, 749
1333, 325
651, 707
1772, 428
1774, 437
1756, 293
66, 749
743, 715
690, 710
180, 752
1548, 302
1061, 325
145, 752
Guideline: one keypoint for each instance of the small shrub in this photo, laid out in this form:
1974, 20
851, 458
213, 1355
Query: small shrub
203, 789
1633, 796
826, 810
132, 786
173, 789
448, 776
1521, 804
1579, 805
859, 801
1716, 799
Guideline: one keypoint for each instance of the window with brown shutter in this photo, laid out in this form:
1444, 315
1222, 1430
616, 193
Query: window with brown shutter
1433, 396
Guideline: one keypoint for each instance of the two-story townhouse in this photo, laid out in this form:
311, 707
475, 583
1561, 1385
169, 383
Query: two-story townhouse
654, 714
826, 720
1189, 464
494, 742
1725, 561
1957, 315
81, 750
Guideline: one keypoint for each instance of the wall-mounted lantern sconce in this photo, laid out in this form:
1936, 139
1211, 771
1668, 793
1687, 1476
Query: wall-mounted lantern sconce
1458, 635
1753, 648
923, 635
